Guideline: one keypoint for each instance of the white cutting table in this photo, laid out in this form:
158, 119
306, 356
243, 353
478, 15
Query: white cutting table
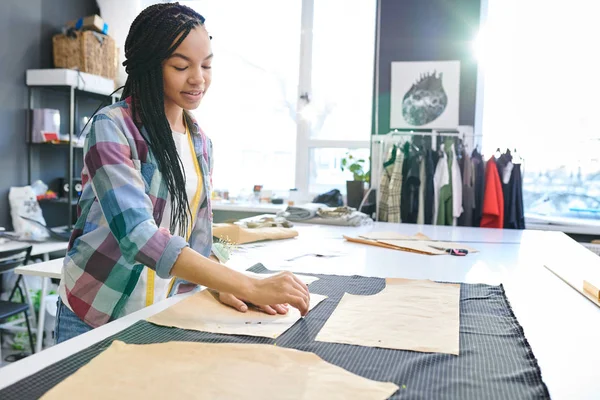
561, 325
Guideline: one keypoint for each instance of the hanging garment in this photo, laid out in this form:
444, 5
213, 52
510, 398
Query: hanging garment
479, 179
468, 192
429, 188
403, 193
410, 189
515, 217
456, 182
435, 158
395, 188
445, 208
384, 185
422, 176
493, 199
505, 167
462, 159
506, 178
442, 190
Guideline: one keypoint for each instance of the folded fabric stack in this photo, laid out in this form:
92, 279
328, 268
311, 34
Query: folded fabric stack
302, 212
267, 222
314, 213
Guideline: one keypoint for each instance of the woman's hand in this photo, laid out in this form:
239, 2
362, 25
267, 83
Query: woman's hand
232, 301
283, 288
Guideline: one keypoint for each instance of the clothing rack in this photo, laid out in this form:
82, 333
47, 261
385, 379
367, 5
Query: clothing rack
379, 143
475, 211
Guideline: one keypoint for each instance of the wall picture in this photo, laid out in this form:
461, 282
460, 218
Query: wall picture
425, 94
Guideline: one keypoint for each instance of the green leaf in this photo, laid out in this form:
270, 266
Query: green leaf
361, 161
355, 168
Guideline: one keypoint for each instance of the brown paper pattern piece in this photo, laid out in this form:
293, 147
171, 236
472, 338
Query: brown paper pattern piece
203, 312
185, 370
240, 235
418, 315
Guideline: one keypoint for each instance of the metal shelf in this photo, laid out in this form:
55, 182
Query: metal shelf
71, 78
50, 144
76, 82
59, 200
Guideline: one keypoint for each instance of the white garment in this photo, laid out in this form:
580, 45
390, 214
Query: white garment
137, 300
507, 172
457, 208
441, 177
421, 213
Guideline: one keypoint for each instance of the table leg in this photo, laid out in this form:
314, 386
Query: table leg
41, 316
29, 301
42, 312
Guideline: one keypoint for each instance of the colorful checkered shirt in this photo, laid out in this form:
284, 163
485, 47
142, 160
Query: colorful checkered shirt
117, 232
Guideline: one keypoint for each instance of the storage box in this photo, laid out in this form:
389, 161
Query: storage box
45, 125
86, 51
91, 22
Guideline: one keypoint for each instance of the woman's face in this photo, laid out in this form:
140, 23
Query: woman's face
187, 72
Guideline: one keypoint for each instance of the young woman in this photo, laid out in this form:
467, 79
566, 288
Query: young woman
144, 214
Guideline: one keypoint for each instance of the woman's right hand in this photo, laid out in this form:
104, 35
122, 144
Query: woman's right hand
282, 288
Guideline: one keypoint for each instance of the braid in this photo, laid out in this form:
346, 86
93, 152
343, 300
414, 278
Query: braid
154, 35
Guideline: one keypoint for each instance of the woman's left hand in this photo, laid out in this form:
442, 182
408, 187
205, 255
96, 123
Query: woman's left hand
232, 301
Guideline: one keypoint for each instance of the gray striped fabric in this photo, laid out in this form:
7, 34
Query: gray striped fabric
495, 359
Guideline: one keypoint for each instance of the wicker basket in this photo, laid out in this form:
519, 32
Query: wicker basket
86, 51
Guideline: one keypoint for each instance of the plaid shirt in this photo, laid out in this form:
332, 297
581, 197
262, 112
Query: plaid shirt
117, 232
395, 188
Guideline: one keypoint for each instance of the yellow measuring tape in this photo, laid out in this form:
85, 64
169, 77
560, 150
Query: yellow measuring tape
194, 208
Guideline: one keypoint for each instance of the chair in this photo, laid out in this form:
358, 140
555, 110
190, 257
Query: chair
9, 260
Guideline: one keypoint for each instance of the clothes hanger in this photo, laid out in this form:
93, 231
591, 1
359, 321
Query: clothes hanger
516, 157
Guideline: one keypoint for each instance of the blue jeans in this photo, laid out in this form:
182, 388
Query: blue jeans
68, 324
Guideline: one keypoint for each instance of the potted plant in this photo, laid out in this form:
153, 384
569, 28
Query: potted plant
355, 189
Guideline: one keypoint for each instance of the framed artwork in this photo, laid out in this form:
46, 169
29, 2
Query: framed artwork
425, 94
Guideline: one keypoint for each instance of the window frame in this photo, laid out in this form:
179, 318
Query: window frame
304, 142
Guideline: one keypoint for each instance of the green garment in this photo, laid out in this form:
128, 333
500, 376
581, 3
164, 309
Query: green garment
445, 215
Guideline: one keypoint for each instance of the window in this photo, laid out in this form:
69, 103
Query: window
268, 53
540, 96
249, 111
325, 168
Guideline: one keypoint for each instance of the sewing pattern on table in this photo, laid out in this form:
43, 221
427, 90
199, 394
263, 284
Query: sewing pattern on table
417, 315
180, 370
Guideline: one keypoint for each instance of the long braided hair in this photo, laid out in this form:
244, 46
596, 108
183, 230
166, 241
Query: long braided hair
153, 37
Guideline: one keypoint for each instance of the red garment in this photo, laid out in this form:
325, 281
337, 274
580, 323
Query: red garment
493, 199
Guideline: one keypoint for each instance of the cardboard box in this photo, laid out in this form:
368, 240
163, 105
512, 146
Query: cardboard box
92, 22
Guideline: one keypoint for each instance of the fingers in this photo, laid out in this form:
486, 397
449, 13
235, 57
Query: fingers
300, 304
296, 282
301, 288
300, 301
232, 301
275, 309
299, 293
301, 284
268, 309
280, 308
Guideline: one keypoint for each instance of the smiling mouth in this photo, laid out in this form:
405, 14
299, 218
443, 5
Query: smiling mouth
194, 93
